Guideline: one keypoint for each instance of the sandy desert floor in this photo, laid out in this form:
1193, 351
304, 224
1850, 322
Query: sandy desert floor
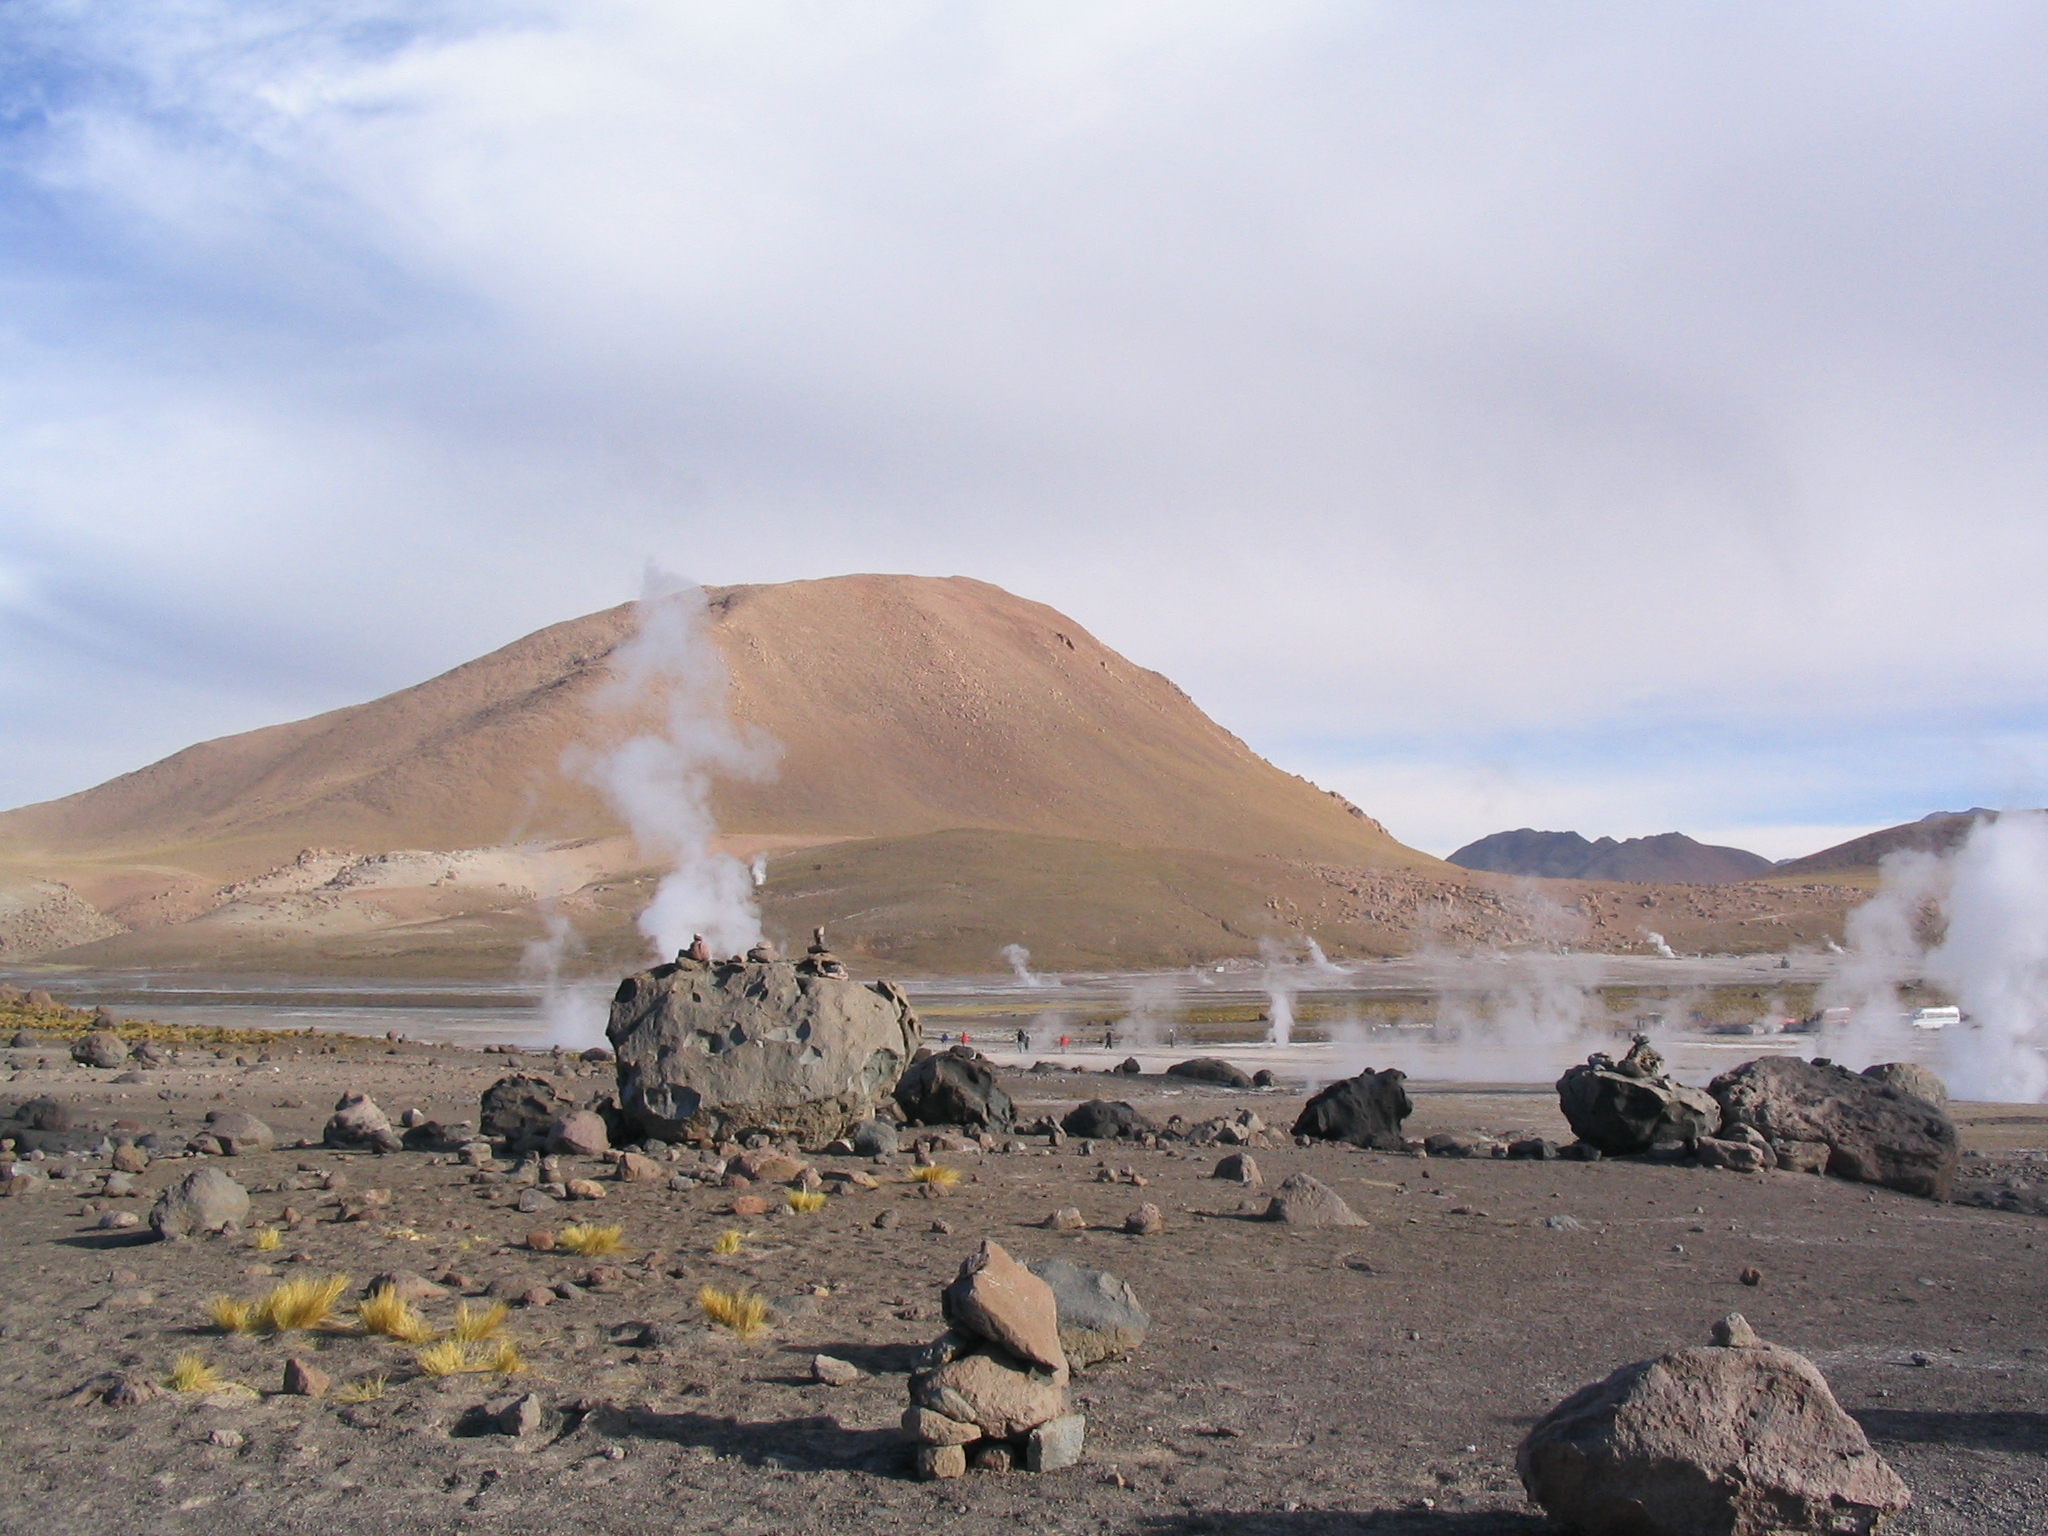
1370, 1380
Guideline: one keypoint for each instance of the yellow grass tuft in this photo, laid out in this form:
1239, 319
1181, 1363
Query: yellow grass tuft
739, 1310
267, 1240
301, 1304
450, 1357
589, 1240
364, 1389
937, 1173
728, 1241
388, 1313
506, 1359
189, 1373
805, 1202
232, 1316
474, 1327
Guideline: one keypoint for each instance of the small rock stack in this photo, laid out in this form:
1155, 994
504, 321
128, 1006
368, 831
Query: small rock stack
992, 1392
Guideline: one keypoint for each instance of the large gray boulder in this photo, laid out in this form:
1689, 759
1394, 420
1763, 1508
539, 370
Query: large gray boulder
1874, 1131
1912, 1078
519, 1110
1211, 1069
1740, 1438
205, 1200
718, 1049
1099, 1315
1630, 1105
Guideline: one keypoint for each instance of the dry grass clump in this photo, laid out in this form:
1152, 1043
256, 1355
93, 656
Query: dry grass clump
454, 1357
290, 1306
474, 1327
267, 1240
300, 1305
937, 1173
805, 1202
189, 1373
728, 1241
739, 1310
364, 1389
232, 1316
590, 1240
388, 1313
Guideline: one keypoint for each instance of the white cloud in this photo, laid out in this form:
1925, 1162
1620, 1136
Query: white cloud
1425, 389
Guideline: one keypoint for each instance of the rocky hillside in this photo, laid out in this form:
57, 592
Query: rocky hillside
1668, 858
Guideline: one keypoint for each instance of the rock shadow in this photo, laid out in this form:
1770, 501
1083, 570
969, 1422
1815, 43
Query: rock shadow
875, 1359
817, 1443
2022, 1432
1379, 1522
125, 1237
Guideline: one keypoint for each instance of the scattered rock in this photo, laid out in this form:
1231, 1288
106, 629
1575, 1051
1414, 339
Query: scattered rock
358, 1122
579, 1133
1456, 1144
239, 1135
1106, 1119
715, 1049
1211, 1069
1056, 1443
1306, 1201
1630, 1106
1099, 1316
1802, 1156
1533, 1149
129, 1391
1067, 1218
638, 1168
1146, 1221
1366, 1111
1238, 1168
532, 1202
751, 1205
118, 1221
302, 1378
1738, 1156
765, 1165
1751, 1276
583, 1189
834, 1372
205, 1200
1742, 1439
885, 1219
1875, 1131
408, 1285
524, 1415
102, 1048
874, 1138
518, 1110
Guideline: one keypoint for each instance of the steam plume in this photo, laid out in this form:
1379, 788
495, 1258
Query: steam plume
659, 780
1019, 959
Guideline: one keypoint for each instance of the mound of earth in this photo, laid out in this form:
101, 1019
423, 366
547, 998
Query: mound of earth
1669, 858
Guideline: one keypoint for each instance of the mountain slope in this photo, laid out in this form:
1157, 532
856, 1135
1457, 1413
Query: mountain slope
1667, 858
1934, 833
902, 705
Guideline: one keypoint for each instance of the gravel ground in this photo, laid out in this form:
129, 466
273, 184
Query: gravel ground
1296, 1383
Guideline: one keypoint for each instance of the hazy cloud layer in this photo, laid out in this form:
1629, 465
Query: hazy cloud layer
1625, 418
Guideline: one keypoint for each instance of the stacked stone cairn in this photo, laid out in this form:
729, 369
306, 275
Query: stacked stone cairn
991, 1392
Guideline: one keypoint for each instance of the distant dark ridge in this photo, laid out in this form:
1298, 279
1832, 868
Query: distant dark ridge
1670, 858
1934, 833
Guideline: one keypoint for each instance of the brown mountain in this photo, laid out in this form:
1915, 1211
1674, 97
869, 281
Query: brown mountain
1668, 858
1934, 833
903, 706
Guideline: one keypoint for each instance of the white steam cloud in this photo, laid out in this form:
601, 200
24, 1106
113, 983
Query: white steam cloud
1018, 958
1988, 899
659, 780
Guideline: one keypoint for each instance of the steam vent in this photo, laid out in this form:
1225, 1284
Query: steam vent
720, 1048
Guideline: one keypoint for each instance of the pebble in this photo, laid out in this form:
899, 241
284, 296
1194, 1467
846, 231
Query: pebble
943, 1228
941, 1461
118, 1221
1751, 1276
304, 1379
229, 1439
834, 1372
885, 1219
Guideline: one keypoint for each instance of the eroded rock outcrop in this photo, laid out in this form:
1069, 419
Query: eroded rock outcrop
1873, 1131
721, 1048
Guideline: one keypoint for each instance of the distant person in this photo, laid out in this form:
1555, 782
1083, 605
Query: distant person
1065, 1040
1023, 1040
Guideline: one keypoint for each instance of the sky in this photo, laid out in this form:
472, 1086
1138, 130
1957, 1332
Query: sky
1620, 418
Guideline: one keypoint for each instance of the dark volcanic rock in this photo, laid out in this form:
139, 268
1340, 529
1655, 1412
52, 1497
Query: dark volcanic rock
1874, 1132
1630, 1105
1211, 1069
724, 1049
953, 1090
1366, 1110
519, 1109
1736, 1439
1106, 1119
